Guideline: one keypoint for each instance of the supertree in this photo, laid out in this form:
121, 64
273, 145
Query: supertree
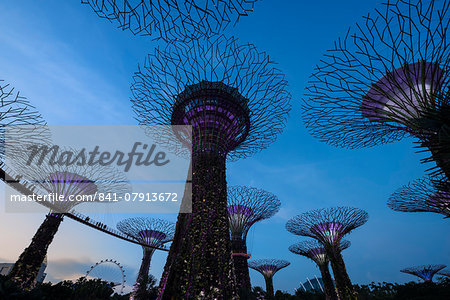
246, 206
423, 195
63, 185
386, 79
153, 232
268, 268
329, 226
237, 103
426, 272
172, 20
20, 123
315, 251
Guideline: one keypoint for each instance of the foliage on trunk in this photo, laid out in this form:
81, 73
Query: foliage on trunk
26, 268
202, 267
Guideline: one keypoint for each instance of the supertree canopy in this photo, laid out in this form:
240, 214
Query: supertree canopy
423, 195
25, 124
172, 20
329, 226
445, 273
315, 251
386, 79
231, 91
237, 103
153, 232
70, 182
426, 272
246, 206
268, 268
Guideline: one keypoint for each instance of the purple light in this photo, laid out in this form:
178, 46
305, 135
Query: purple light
426, 272
152, 237
218, 115
330, 232
238, 216
240, 210
268, 270
402, 93
66, 183
55, 215
318, 254
426, 275
440, 200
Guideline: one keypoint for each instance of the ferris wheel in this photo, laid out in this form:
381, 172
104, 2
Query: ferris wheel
108, 270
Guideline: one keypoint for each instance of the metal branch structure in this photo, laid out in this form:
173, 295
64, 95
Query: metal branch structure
315, 251
153, 232
172, 20
329, 226
386, 79
71, 181
237, 103
20, 123
66, 181
246, 206
268, 268
445, 273
423, 195
426, 272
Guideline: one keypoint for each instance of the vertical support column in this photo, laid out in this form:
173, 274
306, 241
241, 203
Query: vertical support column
203, 266
344, 285
330, 291
141, 282
27, 267
269, 287
240, 262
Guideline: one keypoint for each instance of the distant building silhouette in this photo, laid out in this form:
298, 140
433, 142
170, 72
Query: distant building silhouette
41, 274
5, 269
312, 284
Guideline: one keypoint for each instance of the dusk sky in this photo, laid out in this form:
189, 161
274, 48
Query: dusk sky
77, 69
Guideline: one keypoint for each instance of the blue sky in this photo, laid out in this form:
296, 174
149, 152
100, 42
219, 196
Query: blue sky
76, 69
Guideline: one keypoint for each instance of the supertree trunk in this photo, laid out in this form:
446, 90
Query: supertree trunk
203, 266
26, 268
269, 288
240, 263
344, 285
174, 251
141, 281
330, 291
180, 232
